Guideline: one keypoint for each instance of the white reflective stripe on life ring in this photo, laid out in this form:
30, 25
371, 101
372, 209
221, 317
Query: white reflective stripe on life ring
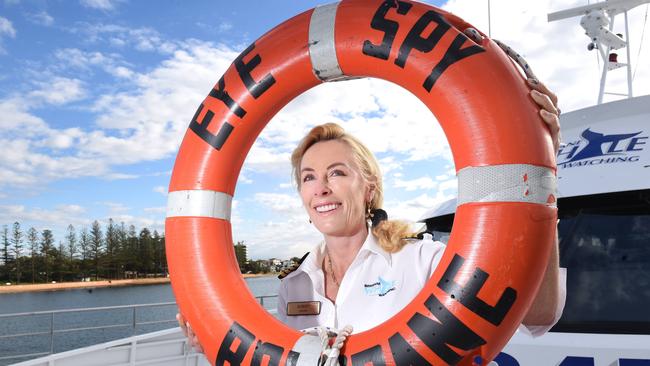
322, 48
507, 183
199, 203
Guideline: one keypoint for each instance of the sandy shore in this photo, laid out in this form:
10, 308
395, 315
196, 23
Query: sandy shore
93, 284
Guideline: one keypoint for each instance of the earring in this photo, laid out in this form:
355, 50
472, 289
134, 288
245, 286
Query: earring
369, 214
310, 221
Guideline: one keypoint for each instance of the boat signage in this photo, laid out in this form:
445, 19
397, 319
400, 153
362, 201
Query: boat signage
606, 149
596, 148
505, 359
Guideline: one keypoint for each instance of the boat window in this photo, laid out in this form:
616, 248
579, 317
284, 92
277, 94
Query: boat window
606, 251
605, 246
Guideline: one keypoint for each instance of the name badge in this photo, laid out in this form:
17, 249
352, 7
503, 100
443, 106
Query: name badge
303, 308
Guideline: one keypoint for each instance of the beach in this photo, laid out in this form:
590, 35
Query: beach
4, 289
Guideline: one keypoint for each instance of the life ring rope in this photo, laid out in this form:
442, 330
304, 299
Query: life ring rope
476, 36
518, 58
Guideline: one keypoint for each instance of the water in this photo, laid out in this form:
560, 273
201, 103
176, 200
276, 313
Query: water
69, 338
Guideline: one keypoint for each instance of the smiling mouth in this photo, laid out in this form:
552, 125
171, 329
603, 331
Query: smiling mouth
327, 208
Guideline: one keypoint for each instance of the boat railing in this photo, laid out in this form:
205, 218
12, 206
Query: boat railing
52, 331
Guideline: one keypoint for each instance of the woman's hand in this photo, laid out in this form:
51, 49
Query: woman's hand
549, 111
192, 339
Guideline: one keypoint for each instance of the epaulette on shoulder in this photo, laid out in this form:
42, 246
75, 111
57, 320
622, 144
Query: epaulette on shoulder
418, 236
285, 272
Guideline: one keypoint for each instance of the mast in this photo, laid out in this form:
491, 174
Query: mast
598, 23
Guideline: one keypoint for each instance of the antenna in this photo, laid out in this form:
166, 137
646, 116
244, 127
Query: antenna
489, 21
598, 22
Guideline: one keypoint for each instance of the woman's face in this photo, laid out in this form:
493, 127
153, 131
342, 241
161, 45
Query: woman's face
333, 190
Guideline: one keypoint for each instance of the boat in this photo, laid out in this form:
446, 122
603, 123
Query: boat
604, 229
603, 171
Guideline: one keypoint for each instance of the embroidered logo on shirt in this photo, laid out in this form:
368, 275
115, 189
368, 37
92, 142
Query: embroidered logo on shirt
379, 288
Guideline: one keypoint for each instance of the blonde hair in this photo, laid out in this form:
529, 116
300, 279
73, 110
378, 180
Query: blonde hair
391, 234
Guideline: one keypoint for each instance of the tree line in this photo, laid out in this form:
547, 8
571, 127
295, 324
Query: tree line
112, 252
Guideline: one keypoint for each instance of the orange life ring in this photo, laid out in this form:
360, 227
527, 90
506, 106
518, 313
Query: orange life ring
504, 225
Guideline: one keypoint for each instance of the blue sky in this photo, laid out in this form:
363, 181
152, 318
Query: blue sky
95, 96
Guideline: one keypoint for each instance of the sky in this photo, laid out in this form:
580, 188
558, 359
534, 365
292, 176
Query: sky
96, 95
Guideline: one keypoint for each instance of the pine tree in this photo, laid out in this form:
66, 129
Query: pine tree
72, 249
157, 252
146, 254
71, 239
121, 257
47, 244
163, 255
32, 239
111, 248
240, 253
60, 257
17, 242
6, 253
96, 246
84, 244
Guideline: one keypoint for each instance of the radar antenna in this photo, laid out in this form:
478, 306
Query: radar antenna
598, 22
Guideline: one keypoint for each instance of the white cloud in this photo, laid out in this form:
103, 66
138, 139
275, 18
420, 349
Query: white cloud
77, 59
62, 139
14, 114
61, 216
155, 210
121, 72
119, 176
413, 209
59, 90
160, 189
152, 222
41, 18
6, 28
116, 208
25, 165
384, 116
158, 105
278, 239
162, 101
142, 39
281, 203
288, 185
416, 184
225, 26
288, 233
100, 4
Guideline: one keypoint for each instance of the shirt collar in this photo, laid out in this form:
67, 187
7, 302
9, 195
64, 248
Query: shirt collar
311, 264
371, 245
313, 261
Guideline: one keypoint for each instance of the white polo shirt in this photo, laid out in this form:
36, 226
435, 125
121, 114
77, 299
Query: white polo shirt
376, 286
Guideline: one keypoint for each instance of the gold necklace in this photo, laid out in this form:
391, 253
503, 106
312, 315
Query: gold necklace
331, 268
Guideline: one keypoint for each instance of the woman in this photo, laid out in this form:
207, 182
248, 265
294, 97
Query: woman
362, 276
